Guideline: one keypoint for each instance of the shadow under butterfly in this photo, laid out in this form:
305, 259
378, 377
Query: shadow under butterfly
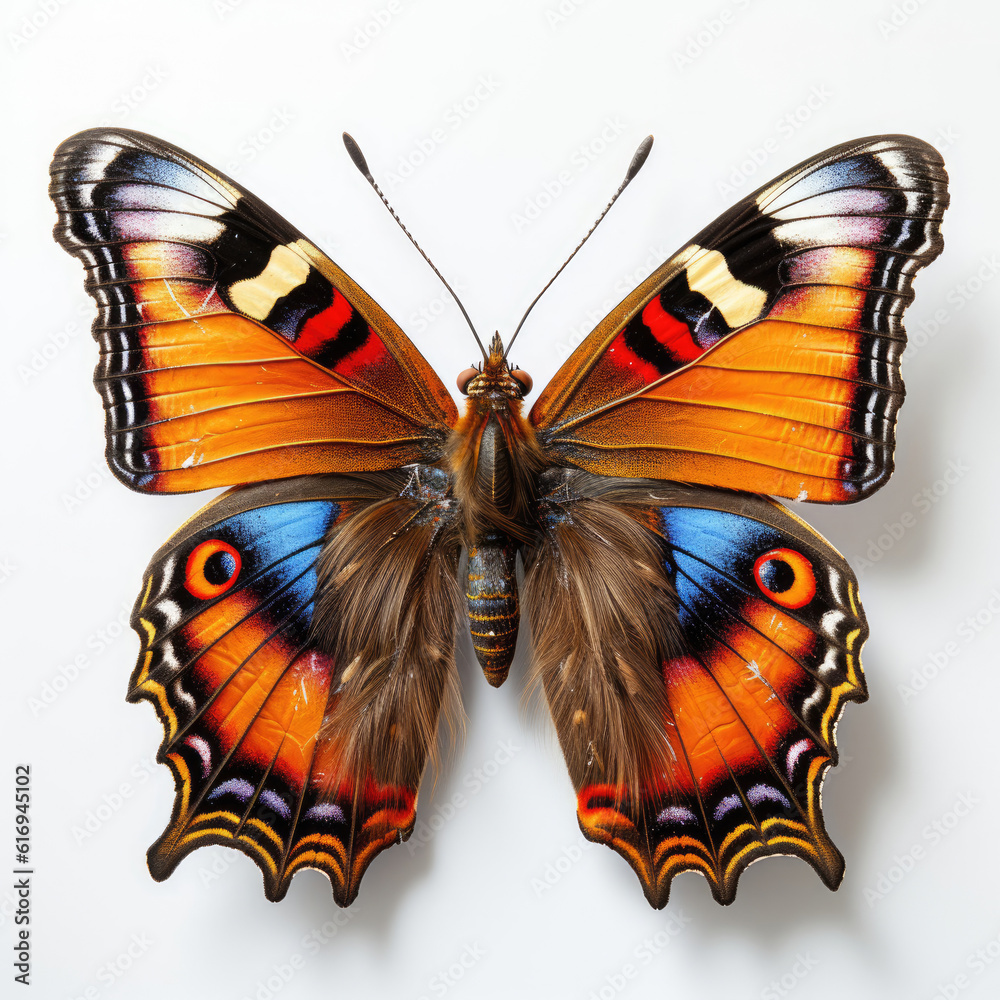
696, 641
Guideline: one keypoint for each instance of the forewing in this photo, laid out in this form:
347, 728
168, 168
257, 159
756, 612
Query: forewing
765, 354
232, 349
751, 635
260, 702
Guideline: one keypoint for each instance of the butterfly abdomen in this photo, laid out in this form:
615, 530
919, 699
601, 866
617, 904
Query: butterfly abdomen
494, 614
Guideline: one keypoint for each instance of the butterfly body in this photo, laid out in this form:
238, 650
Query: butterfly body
695, 640
495, 461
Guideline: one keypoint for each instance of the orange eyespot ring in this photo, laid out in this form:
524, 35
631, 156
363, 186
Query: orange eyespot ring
523, 379
464, 378
212, 568
786, 576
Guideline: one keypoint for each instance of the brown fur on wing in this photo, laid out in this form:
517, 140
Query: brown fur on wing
387, 609
602, 611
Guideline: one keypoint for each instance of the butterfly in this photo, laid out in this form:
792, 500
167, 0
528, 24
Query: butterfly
696, 641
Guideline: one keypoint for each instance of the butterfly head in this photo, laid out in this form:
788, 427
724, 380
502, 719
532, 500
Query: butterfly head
494, 381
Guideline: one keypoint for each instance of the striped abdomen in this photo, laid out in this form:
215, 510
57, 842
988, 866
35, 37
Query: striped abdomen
493, 605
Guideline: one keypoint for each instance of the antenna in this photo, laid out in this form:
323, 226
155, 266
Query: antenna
633, 168
359, 161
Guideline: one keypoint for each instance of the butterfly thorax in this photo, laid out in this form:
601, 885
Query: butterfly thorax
493, 453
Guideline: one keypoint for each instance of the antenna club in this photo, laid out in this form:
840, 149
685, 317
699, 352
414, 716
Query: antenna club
633, 168
354, 151
640, 158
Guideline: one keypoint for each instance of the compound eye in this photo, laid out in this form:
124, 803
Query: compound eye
212, 568
465, 378
786, 576
523, 379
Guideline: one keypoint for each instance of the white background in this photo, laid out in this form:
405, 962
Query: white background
219, 79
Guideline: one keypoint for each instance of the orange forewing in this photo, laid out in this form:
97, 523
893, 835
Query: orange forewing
764, 356
232, 349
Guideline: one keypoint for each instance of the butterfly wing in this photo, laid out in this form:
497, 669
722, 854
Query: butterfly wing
765, 354
298, 718
232, 349
696, 648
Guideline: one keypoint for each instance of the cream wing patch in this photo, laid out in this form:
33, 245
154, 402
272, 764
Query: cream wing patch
286, 269
709, 275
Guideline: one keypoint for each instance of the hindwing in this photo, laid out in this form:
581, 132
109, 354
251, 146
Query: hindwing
696, 648
262, 708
